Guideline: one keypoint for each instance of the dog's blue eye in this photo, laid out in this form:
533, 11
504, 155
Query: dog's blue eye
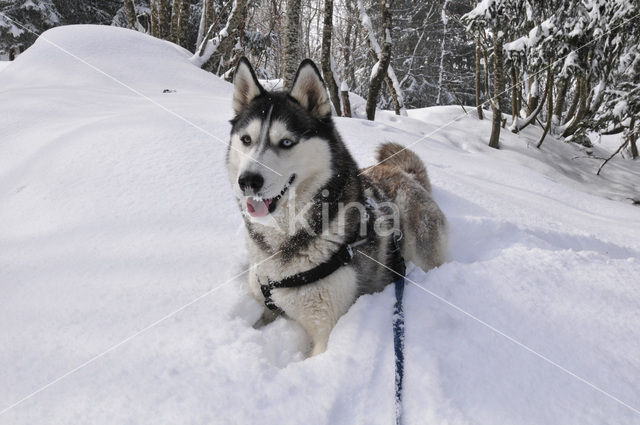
286, 143
246, 140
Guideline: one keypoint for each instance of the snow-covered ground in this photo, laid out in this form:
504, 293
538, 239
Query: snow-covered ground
121, 253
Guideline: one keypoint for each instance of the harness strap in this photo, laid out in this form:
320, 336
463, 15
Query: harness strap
340, 258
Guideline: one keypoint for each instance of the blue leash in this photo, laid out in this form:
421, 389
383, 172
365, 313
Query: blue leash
398, 346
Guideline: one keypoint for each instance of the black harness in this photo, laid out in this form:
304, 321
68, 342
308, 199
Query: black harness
340, 258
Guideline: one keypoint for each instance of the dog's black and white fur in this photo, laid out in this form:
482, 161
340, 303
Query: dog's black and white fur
299, 190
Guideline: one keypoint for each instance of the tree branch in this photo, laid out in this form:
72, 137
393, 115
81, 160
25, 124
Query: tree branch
612, 155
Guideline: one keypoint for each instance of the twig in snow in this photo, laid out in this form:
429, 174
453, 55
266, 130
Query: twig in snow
612, 155
457, 98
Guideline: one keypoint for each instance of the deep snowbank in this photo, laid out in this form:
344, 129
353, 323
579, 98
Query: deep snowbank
115, 212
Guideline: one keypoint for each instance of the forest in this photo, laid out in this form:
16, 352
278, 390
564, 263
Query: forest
569, 66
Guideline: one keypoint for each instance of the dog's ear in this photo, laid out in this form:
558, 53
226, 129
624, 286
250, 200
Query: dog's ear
245, 85
309, 90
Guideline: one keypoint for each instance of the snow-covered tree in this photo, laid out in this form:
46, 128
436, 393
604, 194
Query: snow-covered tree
379, 70
24, 18
220, 48
493, 22
569, 66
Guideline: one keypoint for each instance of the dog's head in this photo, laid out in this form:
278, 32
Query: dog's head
279, 140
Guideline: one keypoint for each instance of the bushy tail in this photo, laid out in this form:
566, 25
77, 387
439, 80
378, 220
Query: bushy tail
395, 155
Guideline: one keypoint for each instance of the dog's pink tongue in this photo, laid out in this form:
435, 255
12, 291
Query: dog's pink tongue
258, 207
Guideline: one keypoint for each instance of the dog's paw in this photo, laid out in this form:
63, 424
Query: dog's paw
247, 309
267, 317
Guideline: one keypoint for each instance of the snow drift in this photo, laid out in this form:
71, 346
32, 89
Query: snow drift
121, 261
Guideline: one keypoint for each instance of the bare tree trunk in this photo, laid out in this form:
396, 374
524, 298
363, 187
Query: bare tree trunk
346, 104
485, 62
521, 124
381, 67
590, 101
519, 92
574, 102
515, 112
443, 14
164, 16
143, 22
155, 23
175, 20
582, 110
202, 26
327, 69
561, 98
354, 44
183, 22
130, 11
394, 95
346, 50
291, 43
534, 94
274, 26
498, 88
549, 90
631, 138
305, 25
210, 14
478, 77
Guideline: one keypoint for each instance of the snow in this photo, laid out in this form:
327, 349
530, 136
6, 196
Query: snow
481, 10
519, 45
620, 109
374, 70
336, 74
272, 84
598, 93
570, 61
122, 263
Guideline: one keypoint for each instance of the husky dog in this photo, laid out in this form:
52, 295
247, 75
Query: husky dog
320, 231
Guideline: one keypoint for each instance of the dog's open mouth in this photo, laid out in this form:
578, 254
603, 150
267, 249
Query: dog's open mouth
260, 207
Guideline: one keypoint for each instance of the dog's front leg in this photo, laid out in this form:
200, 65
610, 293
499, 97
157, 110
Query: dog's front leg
267, 317
319, 306
312, 307
319, 333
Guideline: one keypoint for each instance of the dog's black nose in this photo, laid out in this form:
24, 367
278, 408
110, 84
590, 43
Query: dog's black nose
249, 180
